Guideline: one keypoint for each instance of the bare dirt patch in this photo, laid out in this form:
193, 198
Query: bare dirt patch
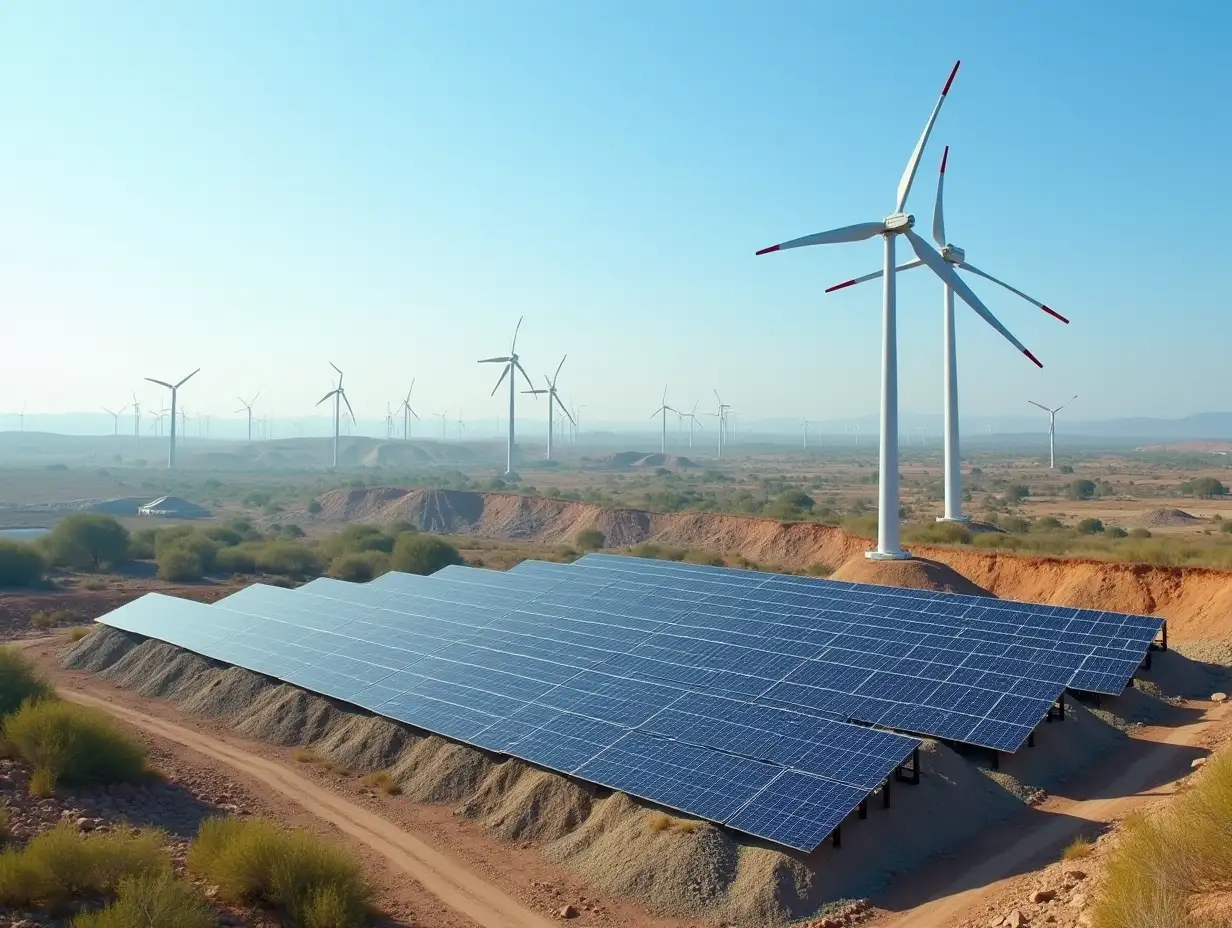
917, 574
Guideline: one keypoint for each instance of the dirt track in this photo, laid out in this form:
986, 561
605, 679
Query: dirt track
449, 881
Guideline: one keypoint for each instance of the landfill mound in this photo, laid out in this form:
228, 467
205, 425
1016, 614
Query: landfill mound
646, 459
1163, 518
675, 866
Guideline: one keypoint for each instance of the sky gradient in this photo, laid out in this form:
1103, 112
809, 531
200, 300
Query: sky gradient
259, 189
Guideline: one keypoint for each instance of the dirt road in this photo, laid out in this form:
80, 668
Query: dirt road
983, 879
450, 882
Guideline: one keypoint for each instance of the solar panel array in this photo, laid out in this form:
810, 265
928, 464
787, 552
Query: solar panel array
724, 694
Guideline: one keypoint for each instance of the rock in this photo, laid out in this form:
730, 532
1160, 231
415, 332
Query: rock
1072, 873
1219, 697
568, 912
1079, 901
1015, 919
85, 824
1197, 762
997, 921
1041, 896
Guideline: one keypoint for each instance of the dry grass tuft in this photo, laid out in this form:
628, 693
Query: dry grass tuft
77, 634
305, 756
152, 900
661, 821
1078, 849
42, 783
384, 782
75, 745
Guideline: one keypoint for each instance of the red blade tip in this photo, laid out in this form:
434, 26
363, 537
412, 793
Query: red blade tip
766, 251
946, 89
945, 156
845, 283
1052, 312
1033, 358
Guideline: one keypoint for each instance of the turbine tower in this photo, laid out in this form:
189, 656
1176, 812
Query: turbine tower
136, 416
721, 416
511, 368
340, 397
174, 388
957, 258
407, 412
1052, 428
115, 418
662, 411
899, 223
248, 408
553, 399
693, 420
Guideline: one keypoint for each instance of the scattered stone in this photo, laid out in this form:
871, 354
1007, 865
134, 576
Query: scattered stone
1219, 697
1073, 873
1197, 762
568, 912
1041, 896
1079, 901
1015, 919
85, 824
997, 921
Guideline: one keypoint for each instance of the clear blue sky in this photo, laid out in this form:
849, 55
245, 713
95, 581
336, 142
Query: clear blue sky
261, 188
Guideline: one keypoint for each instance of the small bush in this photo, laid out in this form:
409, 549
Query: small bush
87, 541
702, 557
314, 884
288, 558
591, 539
21, 564
74, 744
1078, 849
1089, 527
179, 564
1080, 489
314, 507
60, 864
5, 828
20, 680
237, 560
306, 756
78, 633
51, 618
945, 533
1115, 531
42, 783
422, 554
359, 567
384, 782
1139, 533
151, 900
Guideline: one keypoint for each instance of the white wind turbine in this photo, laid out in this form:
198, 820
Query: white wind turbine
553, 399
1052, 428
511, 367
662, 411
340, 397
174, 388
693, 420
443, 416
407, 412
889, 228
957, 258
721, 416
115, 418
136, 416
389, 421
247, 407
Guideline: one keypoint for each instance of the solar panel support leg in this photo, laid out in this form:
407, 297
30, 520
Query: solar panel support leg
1164, 646
837, 837
994, 758
885, 794
864, 807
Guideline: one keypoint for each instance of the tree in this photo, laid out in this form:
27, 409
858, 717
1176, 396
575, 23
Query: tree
1080, 489
314, 507
1090, 527
22, 565
591, 539
87, 541
1205, 488
796, 499
422, 554
179, 562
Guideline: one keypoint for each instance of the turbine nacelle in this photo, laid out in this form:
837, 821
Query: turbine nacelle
953, 254
899, 222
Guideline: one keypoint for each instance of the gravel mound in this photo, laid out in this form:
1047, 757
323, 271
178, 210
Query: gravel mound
1161, 518
918, 574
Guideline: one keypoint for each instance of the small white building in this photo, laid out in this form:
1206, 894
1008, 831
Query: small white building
173, 507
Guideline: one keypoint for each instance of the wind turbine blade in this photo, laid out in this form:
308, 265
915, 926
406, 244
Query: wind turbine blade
325, 397
514, 347
904, 185
188, 378
565, 410
525, 375
255, 398
873, 276
857, 233
558, 367
942, 269
414, 413
412, 387
1066, 403
504, 371
348, 403
655, 413
1041, 405
161, 383
717, 397
493, 360
336, 367
938, 211
1001, 283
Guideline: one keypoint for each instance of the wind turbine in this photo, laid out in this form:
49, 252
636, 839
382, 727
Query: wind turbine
21, 416
460, 426
510, 363
896, 224
577, 423
115, 418
721, 415
693, 420
662, 411
553, 399
956, 258
1052, 428
340, 397
174, 388
442, 416
804, 424
136, 416
389, 421
248, 407
157, 421
407, 412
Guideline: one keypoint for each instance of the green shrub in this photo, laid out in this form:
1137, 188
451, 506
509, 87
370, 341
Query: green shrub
1090, 527
1080, 489
76, 745
237, 560
313, 883
591, 539
21, 564
87, 541
947, 533
1115, 531
179, 563
287, 558
314, 507
42, 783
422, 554
223, 535
151, 900
357, 538
142, 543
61, 864
359, 567
20, 680
1204, 488
702, 557
1226, 526
50, 618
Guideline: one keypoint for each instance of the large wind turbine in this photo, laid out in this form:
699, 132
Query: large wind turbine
721, 416
693, 420
136, 416
247, 407
511, 366
115, 418
889, 228
174, 388
407, 412
957, 258
662, 411
1052, 428
553, 399
340, 397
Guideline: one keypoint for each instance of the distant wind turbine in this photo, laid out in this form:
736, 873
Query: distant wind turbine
662, 412
248, 408
136, 416
1052, 428
174, 388
553, 399
407, 412
115, 418
693, 421
21, 416
340, 397
512, 366
389, 421
721, 416
443, 416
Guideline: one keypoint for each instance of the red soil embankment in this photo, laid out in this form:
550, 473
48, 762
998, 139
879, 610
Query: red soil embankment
1197, 601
